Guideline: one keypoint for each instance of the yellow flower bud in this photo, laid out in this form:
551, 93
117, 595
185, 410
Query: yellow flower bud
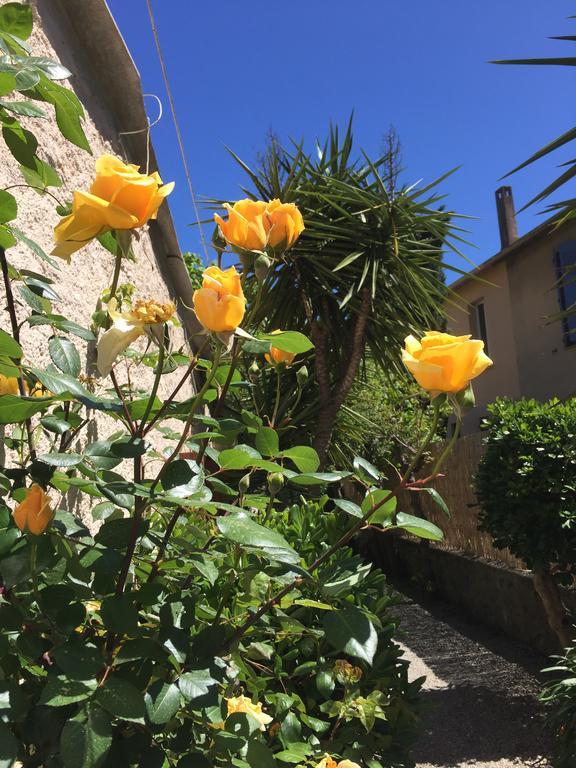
278, 356
220, 304
120, 198
443, 363
34, 514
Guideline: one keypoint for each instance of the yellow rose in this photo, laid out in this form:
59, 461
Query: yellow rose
34, 514
443, 363
8, 385
120, 198
245, 227
244, 704
220, 303
253, 225
127, 327
277, 356
329, 762
286, 224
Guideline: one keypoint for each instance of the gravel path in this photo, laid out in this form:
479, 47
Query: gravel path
480, 692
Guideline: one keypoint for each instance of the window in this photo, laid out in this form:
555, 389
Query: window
478, 323
566, 273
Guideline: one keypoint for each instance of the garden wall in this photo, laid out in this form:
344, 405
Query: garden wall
488, 584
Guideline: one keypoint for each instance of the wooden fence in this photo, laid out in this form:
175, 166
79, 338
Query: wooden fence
456, 488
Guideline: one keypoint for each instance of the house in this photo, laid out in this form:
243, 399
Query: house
512, 301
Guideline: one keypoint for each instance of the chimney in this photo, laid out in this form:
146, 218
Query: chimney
506, 216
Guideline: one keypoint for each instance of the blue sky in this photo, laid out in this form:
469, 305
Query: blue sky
240, 69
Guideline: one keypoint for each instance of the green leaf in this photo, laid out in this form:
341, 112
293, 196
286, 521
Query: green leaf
60, 692
319, 478
61, 459
16, 19
62, 324
33, 299
352, 632
259, 755
163, 700
7, 83
435, 496
24, 108
35, 248
118, 612
68, 112
122, 699
15, 409
239, 457
288, 341
21, 143
303, 456
197, 684
417, 526
180, 480
64, 355
349, 507
325, 683
8, 206
86, 739
267, 441
8, 346
376, 496
365, 469
244, 531
41, 176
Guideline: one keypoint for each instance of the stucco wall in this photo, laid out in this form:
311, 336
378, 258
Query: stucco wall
546, 366
501, 379
80, 283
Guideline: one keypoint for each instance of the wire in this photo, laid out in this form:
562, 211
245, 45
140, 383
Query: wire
176, 124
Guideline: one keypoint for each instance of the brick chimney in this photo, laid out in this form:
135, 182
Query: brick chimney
506, 216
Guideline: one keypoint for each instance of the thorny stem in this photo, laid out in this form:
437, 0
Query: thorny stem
16, 335
139, 508
156, 383
428, 439
448, 448
124, 404
170, 398
277, 402
189, 419
174, 519
222, 395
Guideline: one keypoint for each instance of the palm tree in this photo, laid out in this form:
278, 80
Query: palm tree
366, 271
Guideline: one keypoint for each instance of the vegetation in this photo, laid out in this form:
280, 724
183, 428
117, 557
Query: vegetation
530, 462
207, 610
366, 271
560, 696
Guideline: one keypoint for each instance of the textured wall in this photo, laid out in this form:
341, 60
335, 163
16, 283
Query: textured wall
80, 283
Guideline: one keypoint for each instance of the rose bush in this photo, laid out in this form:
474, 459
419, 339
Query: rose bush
207, 611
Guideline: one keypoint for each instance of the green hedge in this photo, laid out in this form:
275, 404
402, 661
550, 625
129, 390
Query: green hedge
526, 482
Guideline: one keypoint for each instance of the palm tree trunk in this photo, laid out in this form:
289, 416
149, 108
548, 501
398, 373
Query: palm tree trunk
332, 396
